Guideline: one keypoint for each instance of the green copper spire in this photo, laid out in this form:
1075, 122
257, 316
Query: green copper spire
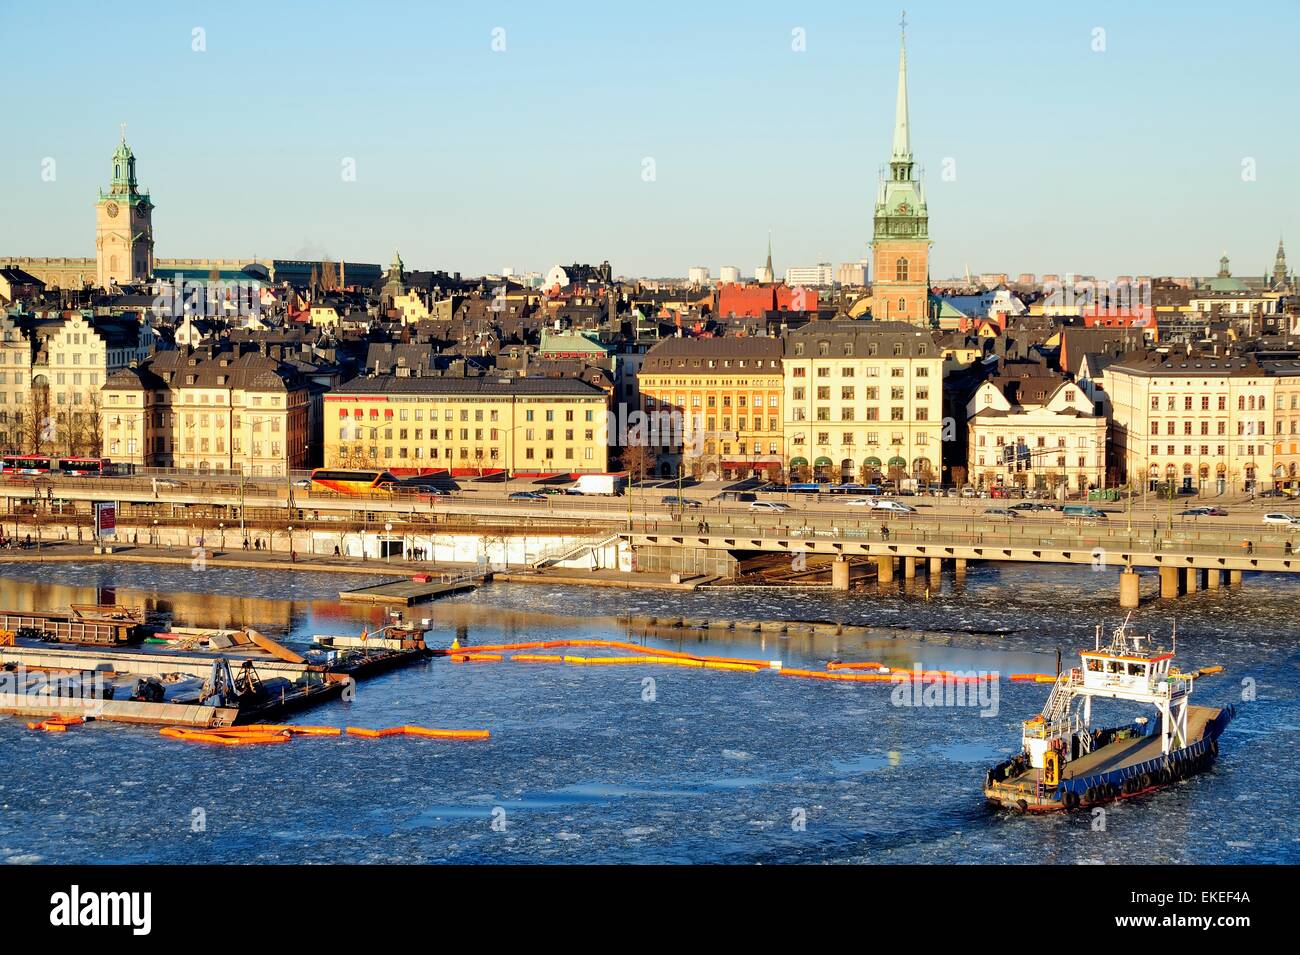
902, 139
900, 200
771, 276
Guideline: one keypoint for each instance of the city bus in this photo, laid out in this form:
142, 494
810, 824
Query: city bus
85, 467
28, 465
348, 481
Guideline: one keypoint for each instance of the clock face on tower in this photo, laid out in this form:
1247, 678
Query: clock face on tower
111, 209
140, 212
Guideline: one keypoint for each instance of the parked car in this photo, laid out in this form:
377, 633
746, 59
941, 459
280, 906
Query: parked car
1000, 512
167, 484
1206, 510
1286, 520
859, 502
1031, 506
1083, 510
1272, 492
302, 484
894, 507
673, 500
525, 496
775, 506
969, 491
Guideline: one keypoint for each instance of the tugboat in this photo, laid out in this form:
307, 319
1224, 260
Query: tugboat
1065, 764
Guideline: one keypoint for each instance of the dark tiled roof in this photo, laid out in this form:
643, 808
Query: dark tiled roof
486, 385
694, 354
861, 334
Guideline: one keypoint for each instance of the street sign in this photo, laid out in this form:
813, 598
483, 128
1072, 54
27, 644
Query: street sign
105, 519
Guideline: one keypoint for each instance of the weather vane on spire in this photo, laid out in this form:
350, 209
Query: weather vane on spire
124, 131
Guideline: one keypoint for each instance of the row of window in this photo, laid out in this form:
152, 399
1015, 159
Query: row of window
1040, 463
418, 453
449, 414
1040, 441
847, 413
873, 438
1244, 402
870, 393
742, 447
847, 348
361, 432
871, 371
1220, 450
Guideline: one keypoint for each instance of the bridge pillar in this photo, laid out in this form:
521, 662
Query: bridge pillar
1234, 578
909, 567
885, 570
840, 574
1130, 589
1170, 582
1213, 579
1192, 580
959, 568
936, 566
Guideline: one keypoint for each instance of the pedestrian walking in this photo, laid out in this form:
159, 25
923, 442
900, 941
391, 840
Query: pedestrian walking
884, 532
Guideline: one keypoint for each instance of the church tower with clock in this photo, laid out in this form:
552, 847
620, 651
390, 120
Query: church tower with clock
901, 237
123, 226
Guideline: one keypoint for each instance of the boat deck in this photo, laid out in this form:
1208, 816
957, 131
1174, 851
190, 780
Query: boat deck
1127, 752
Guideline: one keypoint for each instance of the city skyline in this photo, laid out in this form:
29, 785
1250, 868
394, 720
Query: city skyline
532, 181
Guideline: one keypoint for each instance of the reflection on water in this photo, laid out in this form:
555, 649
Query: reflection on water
581, 767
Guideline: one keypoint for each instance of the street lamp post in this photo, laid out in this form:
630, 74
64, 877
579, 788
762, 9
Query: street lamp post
222, 528
388, 554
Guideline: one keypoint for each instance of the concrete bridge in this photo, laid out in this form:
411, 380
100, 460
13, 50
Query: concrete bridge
1184, 565
1188, 554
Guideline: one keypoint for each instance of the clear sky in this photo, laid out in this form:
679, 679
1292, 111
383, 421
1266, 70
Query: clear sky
1124, 160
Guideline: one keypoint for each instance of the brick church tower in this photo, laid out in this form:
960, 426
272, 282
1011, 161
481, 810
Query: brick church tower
901, 238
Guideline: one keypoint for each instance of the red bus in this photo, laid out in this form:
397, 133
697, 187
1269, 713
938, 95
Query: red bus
26, 463
37, 464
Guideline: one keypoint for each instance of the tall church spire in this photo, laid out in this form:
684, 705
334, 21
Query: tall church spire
901, 230
771, 275
902, 138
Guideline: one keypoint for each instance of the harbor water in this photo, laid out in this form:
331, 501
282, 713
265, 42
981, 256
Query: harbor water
653, 764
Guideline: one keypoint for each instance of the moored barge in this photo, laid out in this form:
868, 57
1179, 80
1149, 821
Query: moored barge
1066, 764
182, 676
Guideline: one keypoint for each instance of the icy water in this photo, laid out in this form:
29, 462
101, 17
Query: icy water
716, 767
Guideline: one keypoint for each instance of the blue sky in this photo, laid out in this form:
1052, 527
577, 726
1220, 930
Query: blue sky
1124, 161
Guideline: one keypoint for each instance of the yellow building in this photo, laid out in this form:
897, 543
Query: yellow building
717, 406
51, 372
863, 400
209, 411
467, 425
